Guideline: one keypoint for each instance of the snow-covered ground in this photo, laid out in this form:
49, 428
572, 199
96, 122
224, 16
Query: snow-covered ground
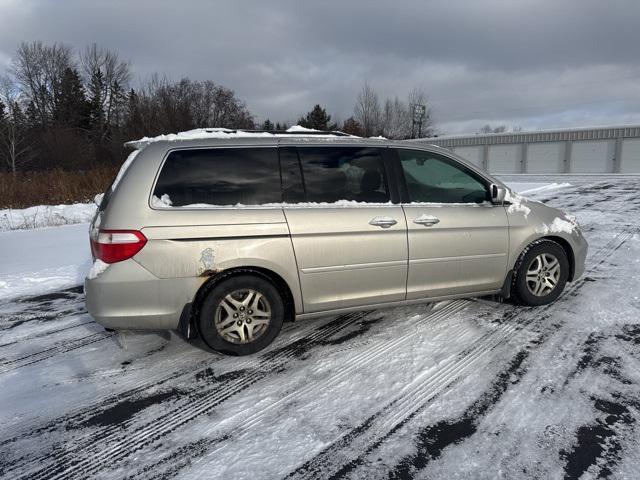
462, 389
45, 216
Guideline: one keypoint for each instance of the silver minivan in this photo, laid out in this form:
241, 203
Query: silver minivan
227, 234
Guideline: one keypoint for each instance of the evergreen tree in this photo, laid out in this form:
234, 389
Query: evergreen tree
267, 125
96, 106
72, 109
317, 119
353, 127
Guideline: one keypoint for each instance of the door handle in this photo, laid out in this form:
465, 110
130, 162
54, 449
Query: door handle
384, 222
426, 220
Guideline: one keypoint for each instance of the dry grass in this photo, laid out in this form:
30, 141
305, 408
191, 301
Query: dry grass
53, 187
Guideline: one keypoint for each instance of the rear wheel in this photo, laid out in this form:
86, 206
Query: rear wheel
541, 273
241, 315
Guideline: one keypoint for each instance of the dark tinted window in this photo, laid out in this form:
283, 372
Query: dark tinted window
432, 178
220, 176
331, 174
292, 188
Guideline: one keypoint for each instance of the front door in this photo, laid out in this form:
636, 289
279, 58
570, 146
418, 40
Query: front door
350, 241
458, 240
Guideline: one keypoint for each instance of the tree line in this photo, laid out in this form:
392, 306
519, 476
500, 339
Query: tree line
74, 110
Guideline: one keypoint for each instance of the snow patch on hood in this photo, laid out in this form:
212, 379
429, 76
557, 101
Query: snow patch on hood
517, 203
557, 226
98, 268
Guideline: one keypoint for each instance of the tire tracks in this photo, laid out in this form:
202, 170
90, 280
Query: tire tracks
334, 461
84, 458
68, 346
245, 427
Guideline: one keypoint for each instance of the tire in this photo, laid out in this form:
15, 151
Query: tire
224, 321
541, 274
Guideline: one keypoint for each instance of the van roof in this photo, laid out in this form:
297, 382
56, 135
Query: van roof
294, 136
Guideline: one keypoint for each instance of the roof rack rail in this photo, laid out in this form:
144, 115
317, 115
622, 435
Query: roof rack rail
302, 132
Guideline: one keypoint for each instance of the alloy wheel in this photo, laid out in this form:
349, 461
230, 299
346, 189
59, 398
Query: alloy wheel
543, 274
242, 316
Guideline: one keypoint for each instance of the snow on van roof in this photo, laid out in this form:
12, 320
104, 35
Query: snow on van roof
207, 133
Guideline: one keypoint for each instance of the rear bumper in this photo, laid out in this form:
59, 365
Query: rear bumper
126, 296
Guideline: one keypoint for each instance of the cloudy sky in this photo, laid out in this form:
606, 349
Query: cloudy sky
531, 63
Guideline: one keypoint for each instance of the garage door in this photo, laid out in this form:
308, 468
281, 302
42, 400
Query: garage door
472, 154
593, 157
505, 158
545, 158
630, 161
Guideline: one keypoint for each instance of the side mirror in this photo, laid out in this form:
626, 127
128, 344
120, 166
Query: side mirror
498, 193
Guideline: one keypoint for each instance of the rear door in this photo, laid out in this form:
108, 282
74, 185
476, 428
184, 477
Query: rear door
349, 239
458, 240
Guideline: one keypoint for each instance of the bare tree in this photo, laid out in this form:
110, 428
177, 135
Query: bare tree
367, 110
107, 79
163, 106
38, 70
489, 129
14, 147
396, 119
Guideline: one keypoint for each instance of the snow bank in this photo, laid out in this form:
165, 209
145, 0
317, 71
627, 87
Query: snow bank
528, 188
46, 216
42, 260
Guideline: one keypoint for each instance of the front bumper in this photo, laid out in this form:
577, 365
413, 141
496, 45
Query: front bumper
580, 248
126, 296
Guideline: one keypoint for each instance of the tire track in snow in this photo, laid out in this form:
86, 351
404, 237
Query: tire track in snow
154, 431
87, 455
334, 461
72, 418
68, 346
355, 363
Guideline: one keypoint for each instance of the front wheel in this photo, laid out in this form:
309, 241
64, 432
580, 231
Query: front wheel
241, 315
541, 273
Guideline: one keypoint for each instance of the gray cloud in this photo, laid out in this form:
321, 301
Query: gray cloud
538, 64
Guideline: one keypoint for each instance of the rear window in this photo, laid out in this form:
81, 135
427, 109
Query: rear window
332, 174
219, 176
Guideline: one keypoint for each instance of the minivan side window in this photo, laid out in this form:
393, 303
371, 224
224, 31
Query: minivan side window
219, 177
331, 174
433, 178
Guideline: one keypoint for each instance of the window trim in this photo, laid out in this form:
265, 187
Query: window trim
402, 182
212, 207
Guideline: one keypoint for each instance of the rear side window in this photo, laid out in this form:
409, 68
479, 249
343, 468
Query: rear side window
331, 174
219, 176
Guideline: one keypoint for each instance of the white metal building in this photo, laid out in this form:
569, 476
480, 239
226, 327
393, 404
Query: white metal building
579, 150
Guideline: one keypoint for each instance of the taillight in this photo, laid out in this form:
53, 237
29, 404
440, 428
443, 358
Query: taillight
113, 246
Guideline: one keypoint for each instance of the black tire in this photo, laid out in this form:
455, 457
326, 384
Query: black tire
206, 319
522, 288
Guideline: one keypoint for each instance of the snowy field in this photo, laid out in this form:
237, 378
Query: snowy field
461, 389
